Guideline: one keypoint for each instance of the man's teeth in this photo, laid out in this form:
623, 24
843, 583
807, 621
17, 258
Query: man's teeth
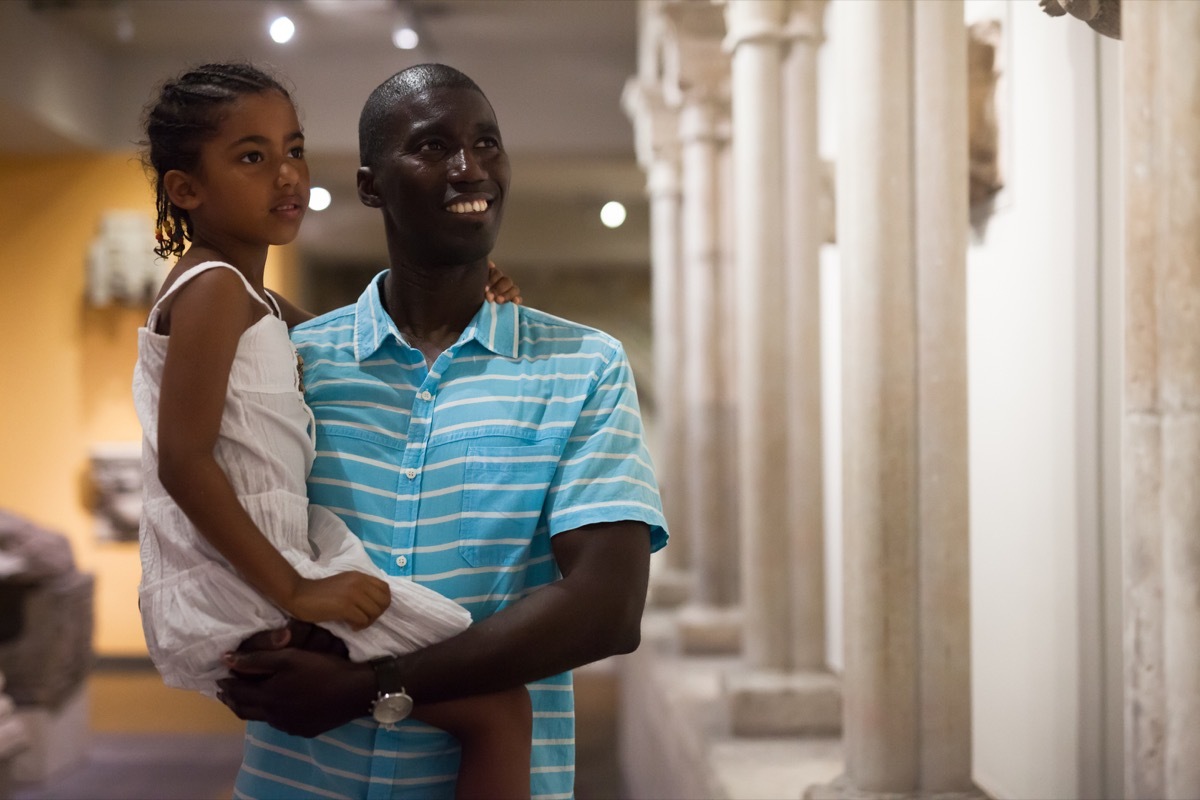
473, 206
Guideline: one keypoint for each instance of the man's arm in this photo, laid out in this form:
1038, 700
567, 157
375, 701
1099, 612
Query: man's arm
592, 612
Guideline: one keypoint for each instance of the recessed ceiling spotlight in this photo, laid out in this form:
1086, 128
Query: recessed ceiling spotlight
319, 198
405, 38
282, 30
612, 214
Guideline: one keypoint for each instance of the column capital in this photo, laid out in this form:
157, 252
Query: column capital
806, 21
655, 122
695, 67
754, 22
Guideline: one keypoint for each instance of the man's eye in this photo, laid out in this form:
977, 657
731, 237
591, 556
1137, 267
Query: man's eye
252, 157
434, 146
488, 141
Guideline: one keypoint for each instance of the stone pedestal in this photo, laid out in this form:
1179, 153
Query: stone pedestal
58, 738
706, 631
793, 703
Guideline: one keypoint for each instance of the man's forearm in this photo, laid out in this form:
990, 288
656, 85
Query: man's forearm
593, 612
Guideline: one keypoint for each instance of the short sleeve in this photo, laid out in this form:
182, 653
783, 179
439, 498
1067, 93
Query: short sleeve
605, 474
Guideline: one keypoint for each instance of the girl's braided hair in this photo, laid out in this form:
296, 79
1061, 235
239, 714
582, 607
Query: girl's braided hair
188, 110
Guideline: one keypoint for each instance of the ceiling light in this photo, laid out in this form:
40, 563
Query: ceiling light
319, 199
613, 214
405, 38
282, 29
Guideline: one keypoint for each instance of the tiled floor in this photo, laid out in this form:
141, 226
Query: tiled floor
149, 742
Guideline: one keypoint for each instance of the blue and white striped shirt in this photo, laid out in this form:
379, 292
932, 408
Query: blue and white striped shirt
457, 476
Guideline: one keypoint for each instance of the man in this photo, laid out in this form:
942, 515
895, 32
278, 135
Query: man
491, 452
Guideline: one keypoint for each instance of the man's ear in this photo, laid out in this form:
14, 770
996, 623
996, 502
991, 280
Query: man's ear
366, 189
181, 189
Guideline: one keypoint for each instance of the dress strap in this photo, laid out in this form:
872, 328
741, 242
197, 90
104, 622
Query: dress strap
182, 280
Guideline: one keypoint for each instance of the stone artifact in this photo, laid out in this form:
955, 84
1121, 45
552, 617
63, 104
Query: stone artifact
116, 473
983, 41
1103, 16
47, 608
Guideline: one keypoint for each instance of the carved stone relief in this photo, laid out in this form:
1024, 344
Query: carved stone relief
116, 476
983, 42
1102, 16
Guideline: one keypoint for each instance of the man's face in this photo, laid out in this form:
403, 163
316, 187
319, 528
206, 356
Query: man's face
441, 179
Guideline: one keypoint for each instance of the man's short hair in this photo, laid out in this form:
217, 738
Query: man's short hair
373, 122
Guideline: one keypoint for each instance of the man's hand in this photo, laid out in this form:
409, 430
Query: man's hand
273, 674
302, 635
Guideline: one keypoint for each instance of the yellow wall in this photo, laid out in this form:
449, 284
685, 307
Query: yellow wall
65, 368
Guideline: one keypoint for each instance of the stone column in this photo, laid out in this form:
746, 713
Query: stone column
802, 186
711, 623
1161, 469
771, 696
655, 128
902, 223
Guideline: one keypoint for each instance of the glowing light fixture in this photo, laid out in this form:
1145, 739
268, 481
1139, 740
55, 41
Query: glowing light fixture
282, 30
319, 199
612, 214
405, 38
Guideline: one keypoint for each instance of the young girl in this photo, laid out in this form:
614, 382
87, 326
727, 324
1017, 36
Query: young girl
229, 544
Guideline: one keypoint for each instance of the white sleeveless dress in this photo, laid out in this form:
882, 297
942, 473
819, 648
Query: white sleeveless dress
194, 606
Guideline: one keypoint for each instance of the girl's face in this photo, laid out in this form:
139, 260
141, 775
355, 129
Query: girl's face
252, 182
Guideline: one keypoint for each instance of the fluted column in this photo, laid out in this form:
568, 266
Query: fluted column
1161, 470
772, 696
655, 127
902, 223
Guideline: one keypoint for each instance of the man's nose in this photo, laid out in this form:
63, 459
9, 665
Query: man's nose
465, 166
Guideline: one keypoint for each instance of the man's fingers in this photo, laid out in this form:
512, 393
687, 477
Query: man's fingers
263, 662
267, 640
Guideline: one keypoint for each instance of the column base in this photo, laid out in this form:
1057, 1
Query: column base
773, 703
669, 588
842, 789
709, 631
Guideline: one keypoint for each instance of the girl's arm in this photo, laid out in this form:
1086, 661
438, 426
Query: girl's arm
293, 315
207, 319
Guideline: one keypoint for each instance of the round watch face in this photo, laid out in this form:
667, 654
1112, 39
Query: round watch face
392, 708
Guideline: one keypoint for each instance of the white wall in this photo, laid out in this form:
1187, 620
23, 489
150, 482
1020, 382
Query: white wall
1033, 309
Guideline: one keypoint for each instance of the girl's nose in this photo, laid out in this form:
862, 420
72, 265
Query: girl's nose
288, 174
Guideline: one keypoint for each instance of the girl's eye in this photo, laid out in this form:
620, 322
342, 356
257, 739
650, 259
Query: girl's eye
296, 152
253, 157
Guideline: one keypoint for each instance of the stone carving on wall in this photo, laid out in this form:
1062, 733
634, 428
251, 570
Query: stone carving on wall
1103, 16
983, 44
116, 477
121, 264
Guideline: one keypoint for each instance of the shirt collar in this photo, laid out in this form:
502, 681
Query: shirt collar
495, 326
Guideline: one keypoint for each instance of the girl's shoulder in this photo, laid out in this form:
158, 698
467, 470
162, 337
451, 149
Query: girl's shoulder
212, 287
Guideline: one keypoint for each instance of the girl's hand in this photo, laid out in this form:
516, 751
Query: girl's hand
354, 598
500, 288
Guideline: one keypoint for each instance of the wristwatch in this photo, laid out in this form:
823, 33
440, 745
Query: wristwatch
392, 704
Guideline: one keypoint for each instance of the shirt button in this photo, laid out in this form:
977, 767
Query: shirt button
402, 561
411, 473
425, 395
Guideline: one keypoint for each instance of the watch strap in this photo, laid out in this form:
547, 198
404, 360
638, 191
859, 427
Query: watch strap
387, 675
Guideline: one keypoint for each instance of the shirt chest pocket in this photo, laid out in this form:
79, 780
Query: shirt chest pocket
504, 492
